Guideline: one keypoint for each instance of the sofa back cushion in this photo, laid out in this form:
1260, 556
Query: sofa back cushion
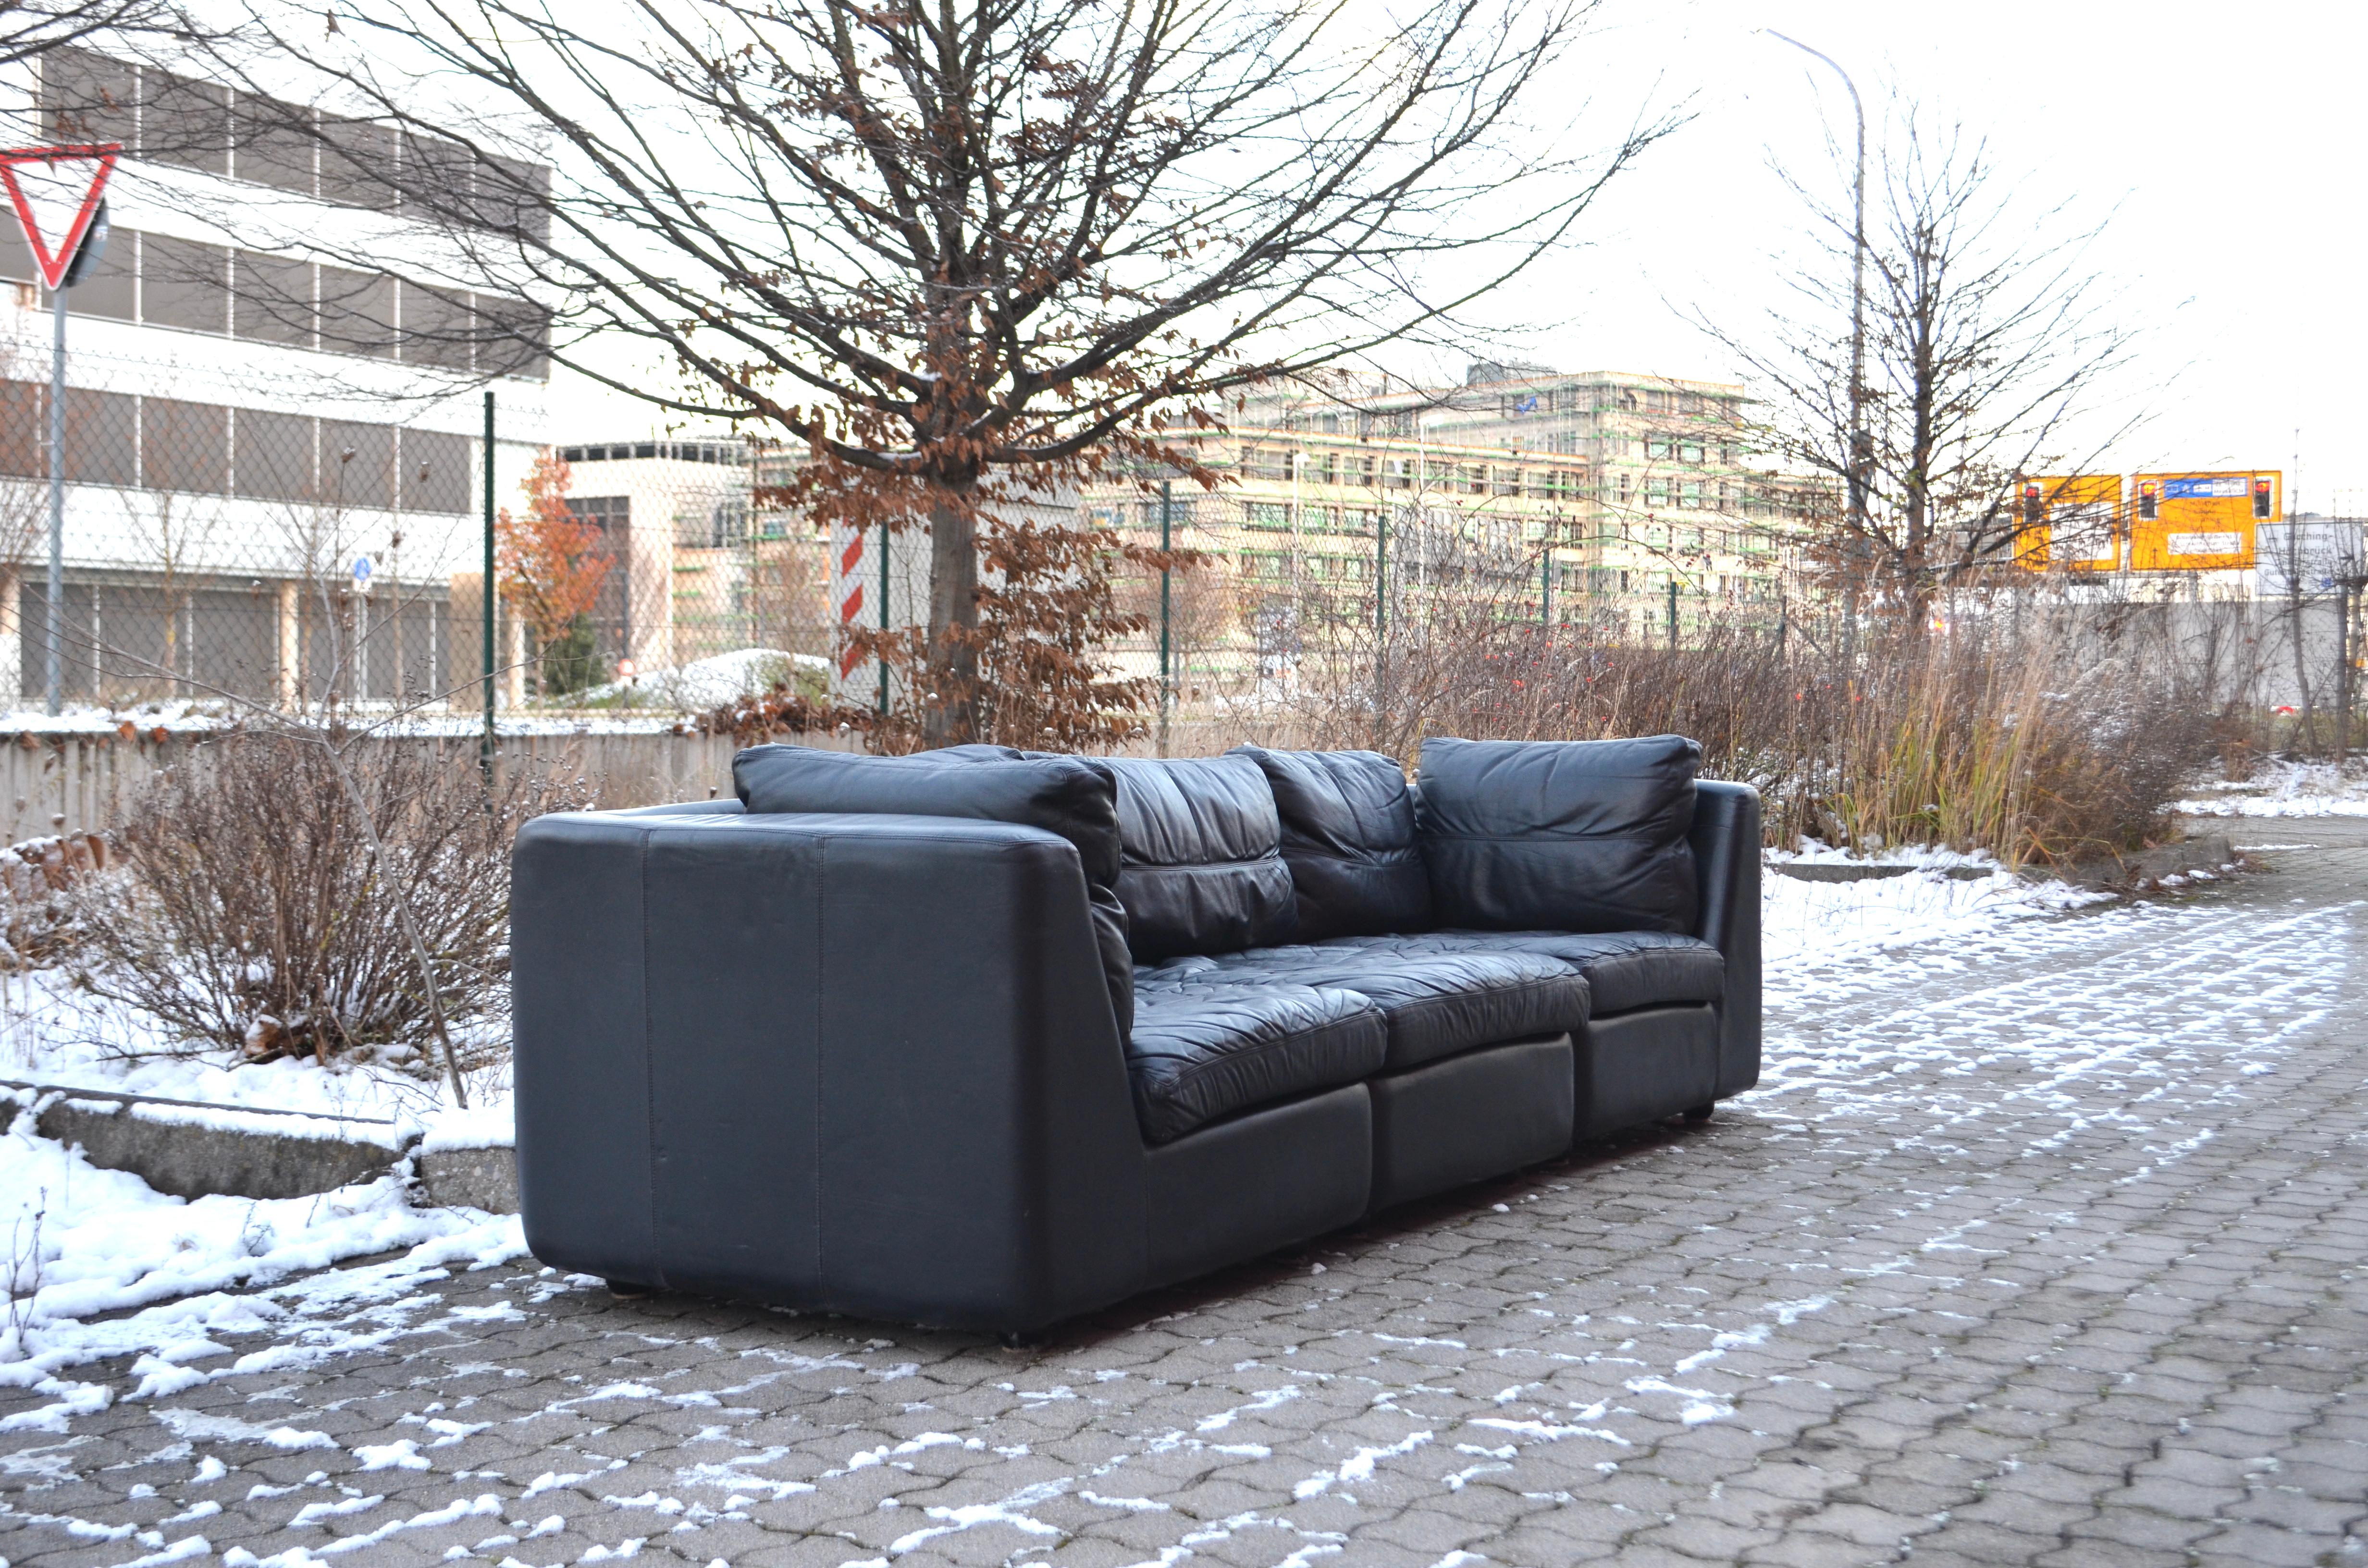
1203, 870
1578, 836
1071, 797
1348, 837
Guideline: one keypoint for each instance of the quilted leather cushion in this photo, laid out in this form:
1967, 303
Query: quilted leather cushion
1064, 795
1438, 1002
1207, 1045
1575, 835
1348, 838
1624, 969
1203, 870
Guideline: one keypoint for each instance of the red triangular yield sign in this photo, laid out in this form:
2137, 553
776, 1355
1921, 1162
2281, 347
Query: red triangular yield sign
55, 192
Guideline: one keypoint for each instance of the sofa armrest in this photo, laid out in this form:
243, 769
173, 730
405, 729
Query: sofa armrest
1725, 838
859, 1063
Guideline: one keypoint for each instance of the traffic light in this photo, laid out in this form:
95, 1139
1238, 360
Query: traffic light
2260, 498
2149, 499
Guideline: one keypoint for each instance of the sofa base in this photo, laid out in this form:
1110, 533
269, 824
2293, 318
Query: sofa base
1262, 1181
1471, 1117
1641, 1066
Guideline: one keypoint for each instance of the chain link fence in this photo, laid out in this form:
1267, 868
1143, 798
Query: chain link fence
216, 554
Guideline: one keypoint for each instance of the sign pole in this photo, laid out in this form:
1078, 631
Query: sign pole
64, 220
55, 689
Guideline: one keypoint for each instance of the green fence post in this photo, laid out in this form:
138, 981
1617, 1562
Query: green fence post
883, 617
486, 598
1166, 669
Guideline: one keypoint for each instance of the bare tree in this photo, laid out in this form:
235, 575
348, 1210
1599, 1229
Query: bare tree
964, 254
1989, 351
29, 29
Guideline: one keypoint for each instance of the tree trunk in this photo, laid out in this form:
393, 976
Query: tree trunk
950, 716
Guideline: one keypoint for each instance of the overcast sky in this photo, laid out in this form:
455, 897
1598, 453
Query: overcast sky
2221, 141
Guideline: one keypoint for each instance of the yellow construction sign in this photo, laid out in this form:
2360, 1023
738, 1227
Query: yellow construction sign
2201, 522
2068, 522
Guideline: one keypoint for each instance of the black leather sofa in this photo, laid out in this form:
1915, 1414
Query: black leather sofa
988, 1039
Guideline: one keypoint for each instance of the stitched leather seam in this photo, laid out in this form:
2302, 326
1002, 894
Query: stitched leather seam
649, 1067
822, 978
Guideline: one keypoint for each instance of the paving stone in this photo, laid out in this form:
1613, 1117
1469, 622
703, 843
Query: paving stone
2009, 1260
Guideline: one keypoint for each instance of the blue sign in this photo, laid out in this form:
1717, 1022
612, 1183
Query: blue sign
362, 571
2221, 487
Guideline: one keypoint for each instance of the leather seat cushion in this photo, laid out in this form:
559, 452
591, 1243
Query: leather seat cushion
1348, 837
1207, 1044
1560, 835
1203, 870
1436, 1003
1624, 969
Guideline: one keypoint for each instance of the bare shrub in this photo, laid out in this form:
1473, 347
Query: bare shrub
41, 884
259, 918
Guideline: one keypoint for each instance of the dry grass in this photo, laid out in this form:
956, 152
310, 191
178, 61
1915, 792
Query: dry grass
2020, 733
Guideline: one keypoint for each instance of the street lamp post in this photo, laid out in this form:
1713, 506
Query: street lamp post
1858, 478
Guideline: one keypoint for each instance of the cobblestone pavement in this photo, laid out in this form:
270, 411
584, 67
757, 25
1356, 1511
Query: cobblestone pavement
2045, 1247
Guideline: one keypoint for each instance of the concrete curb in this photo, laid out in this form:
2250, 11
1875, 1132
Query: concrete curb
469, 1179
2148, 868
1843, 872
278, 1154
2138, 871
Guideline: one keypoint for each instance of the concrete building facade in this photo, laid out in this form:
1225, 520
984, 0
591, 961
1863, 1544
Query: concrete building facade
274, 458
1671, 492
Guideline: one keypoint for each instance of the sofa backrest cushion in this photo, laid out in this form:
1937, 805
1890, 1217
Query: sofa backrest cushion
1072, 797
1203, 870
1348, 837
1576, 835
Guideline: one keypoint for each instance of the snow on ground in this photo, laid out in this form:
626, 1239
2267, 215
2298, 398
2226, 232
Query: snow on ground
105, 1243
706, 683
1822, 922
2286, 789
55, 1034
76, 1242
187, 721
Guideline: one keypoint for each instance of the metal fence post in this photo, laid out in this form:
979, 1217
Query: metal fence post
1167, 675
1381, 613
884, 617
1673, 609
485, 600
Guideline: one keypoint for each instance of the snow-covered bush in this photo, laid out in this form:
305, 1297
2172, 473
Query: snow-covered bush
258, 918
